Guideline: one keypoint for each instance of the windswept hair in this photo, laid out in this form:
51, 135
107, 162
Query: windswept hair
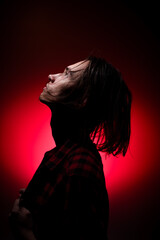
102, 97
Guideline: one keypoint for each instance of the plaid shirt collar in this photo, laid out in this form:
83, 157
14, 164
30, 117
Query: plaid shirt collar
57, 154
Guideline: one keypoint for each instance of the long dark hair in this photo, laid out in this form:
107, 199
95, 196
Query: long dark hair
103, 100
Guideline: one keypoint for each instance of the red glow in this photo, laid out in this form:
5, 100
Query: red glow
27, 136
139, 162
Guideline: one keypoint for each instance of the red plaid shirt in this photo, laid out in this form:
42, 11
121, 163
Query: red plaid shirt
67, 195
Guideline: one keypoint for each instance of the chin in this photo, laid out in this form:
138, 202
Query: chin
42, 98
46, 102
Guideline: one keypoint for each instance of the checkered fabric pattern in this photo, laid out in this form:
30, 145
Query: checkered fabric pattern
67, 195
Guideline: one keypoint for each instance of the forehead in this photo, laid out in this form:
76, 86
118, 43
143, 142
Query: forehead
79, 65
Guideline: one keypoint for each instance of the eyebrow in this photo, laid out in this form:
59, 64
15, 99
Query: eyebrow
69, 69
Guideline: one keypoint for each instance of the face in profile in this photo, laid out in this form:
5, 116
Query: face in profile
57, 82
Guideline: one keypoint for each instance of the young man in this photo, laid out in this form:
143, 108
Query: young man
67, 196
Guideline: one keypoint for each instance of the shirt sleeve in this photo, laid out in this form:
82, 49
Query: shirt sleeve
76, 209
34, 196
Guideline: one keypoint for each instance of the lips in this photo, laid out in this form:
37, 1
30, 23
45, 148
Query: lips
46, 87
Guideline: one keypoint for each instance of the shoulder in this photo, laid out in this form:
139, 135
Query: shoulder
85, 162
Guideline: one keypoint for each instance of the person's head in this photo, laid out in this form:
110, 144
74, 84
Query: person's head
94, 91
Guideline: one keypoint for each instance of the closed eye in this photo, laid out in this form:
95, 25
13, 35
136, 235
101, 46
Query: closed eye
67, 71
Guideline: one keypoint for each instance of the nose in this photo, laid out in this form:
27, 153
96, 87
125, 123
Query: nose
52, 77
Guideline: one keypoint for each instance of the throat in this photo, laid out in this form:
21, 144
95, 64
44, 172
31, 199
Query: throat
66, 124
62, 131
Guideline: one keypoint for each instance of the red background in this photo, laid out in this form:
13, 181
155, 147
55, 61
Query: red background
38, 39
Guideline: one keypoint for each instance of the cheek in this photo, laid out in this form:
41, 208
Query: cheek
58, 86
46, 96
53, 90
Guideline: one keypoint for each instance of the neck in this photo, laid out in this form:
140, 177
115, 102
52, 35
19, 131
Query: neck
66, 125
